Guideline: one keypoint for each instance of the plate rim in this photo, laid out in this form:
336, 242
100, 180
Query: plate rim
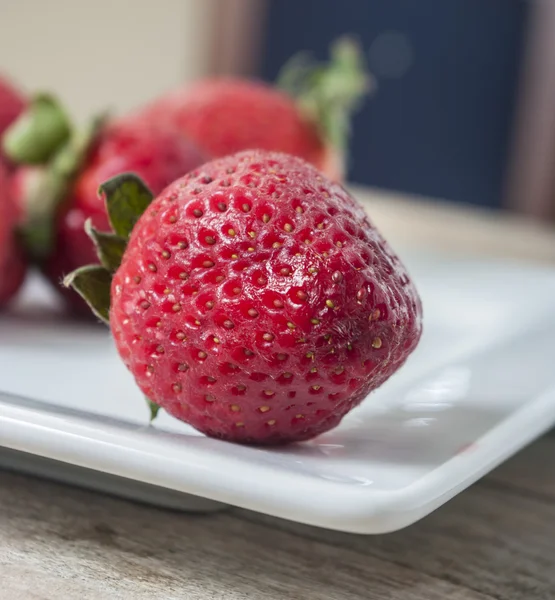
94, 444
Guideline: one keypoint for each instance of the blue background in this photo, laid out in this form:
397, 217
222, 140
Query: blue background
441, 129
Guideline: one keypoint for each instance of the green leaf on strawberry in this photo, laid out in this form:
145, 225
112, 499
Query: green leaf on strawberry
153, 408
329, 93
127, 197
38, 133
52, 187
109, 246
93, 283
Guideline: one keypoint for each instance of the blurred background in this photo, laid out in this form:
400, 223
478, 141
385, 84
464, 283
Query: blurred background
464, 109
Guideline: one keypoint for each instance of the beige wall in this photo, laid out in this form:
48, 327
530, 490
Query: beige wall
105, 52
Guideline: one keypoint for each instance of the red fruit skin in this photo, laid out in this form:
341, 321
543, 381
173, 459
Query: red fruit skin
11, 104
227, 115
157, 154
257, 302
12, 264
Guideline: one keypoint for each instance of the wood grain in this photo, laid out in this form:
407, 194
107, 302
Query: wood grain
494, 541
498, 538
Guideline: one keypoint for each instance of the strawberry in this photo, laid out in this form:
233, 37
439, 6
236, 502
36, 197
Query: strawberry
226, 115
58, 200
12, 103
254, 300
12, 264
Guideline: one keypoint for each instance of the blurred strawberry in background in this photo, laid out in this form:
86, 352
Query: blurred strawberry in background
57, 185
306, 114
12, 263
12, 103
60, 167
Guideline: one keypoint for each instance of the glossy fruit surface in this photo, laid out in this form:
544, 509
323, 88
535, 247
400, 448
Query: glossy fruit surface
256, 301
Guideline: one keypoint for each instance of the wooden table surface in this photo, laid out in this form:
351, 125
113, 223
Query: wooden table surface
494, 541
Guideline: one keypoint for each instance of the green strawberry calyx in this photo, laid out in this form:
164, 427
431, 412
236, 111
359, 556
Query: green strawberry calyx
328, 94
44, 138
126, 197
38, 133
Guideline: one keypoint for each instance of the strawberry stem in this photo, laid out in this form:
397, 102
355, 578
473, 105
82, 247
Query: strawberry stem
93, 284
329, 93
52, 188
38, 133
126, 197
153, 408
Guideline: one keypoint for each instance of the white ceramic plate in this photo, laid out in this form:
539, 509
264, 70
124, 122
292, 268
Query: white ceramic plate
480, 386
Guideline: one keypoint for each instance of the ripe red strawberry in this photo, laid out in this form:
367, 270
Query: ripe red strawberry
255, 300
12, 104
227, 115
58, 203
12, 264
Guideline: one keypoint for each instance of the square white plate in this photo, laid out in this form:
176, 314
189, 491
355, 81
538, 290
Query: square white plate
480, 386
